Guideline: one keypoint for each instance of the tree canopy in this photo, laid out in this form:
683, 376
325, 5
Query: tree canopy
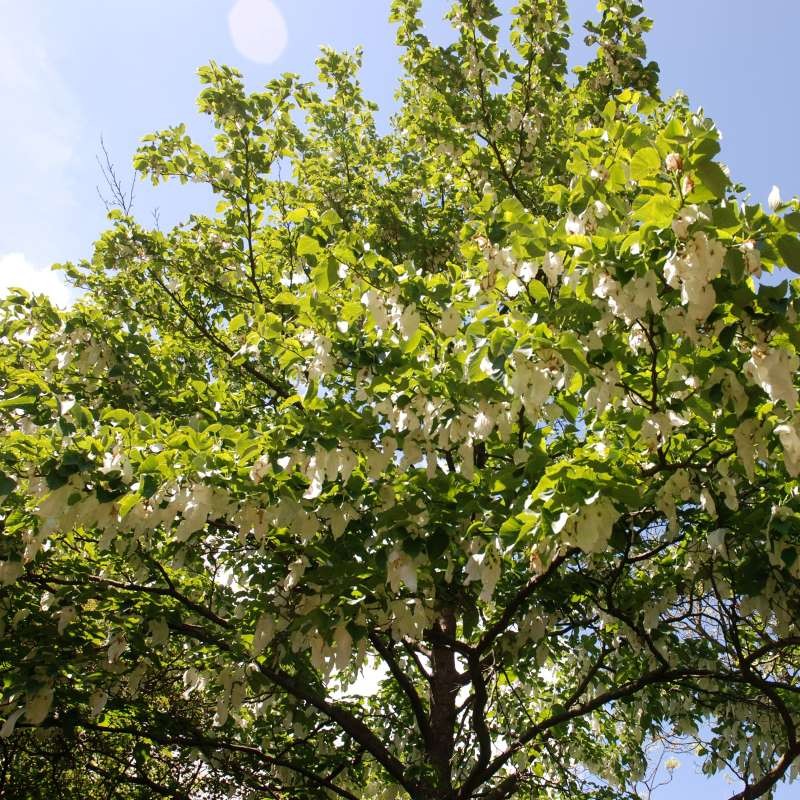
495, 408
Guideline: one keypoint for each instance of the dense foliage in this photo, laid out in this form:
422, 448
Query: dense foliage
495, 410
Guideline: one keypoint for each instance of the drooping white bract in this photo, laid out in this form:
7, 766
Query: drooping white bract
630, 302
552, 266
37, 705
590, 526
450, 322
401, 570
692, 271
484, 565
677, 489
97, 702
774, 200
789, 434
773, 369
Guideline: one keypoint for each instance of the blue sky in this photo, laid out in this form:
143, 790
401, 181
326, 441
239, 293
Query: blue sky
70, 72
73, 71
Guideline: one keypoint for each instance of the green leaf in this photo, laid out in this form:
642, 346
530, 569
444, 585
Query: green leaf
538, 291
726, 336
127, 503
789, 249
713, 177
297, 215
24, 401
117, 416
645, 163
7, 484
437, 543
658, 211
792, 220
470, 619
734, 263
151, 464
330, 219
307, 246
239, 321
325, 274
706, 148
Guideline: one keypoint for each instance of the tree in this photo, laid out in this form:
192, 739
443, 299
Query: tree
494, 408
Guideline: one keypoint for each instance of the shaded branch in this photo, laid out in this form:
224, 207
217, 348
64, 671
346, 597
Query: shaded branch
404, 682
516, 603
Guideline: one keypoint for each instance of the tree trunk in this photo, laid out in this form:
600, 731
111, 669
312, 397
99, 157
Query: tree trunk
444, 688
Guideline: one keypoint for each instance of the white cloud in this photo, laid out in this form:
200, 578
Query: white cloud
40, 134
258, 30
16, 271
42, 126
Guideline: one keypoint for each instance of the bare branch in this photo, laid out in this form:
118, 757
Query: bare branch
120, 197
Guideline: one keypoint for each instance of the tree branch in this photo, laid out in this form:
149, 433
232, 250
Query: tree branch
514, 605
218, 744
349, 723
405, 683
479, 727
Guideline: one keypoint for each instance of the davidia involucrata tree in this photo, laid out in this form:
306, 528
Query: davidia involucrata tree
496, 409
